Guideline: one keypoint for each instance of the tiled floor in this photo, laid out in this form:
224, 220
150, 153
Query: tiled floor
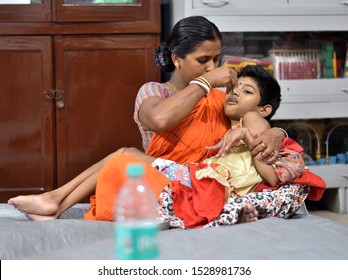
341, 218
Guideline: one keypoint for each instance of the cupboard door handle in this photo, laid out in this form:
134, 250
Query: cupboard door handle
59, 97
345, 3
215, 4
60, 104
50, 94
344, 90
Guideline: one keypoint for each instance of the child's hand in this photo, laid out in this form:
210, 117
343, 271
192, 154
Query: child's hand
230, 139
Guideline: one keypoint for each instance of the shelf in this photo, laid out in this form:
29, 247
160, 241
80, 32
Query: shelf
301, 99
335, 175
271, 15
313, 99
281, 23
268, 8
325, 89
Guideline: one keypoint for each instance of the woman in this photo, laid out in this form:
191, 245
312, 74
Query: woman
186, 118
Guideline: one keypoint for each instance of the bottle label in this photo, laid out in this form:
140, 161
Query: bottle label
136, 241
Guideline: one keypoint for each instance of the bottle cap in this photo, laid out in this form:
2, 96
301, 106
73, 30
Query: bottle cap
135, 169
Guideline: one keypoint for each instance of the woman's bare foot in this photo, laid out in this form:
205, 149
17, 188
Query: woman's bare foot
248, 214
39, 204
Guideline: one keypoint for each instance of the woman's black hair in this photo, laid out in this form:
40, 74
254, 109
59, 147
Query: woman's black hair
185, 37
267, 84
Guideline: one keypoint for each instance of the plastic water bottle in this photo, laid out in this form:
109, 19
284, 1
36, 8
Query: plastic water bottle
135, 215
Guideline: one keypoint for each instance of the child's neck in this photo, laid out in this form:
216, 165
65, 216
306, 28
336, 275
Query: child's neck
236, 123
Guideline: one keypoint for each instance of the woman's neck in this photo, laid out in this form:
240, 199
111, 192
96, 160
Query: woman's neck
177, 82
170, 86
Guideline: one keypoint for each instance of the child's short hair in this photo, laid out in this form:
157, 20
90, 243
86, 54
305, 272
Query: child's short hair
267, 84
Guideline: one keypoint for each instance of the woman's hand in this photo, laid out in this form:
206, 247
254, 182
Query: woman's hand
222, 77
267, 144
230, 139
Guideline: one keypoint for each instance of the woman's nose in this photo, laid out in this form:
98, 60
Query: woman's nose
211, 65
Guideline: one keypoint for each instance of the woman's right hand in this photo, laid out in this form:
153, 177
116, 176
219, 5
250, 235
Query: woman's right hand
223, 76
229, 140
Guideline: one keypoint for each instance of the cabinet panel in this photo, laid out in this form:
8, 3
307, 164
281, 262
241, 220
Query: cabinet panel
313, 99
145, 12
38, 11
337, 174
83, 18
26, 151
330, 88
311, 110
100, 77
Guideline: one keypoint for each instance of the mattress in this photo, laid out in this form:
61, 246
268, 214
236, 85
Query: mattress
304, 236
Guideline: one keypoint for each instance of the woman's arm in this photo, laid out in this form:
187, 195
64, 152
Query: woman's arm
159, 114
272, 139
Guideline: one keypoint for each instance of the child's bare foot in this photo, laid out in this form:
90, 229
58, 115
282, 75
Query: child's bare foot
40, 204
248, 214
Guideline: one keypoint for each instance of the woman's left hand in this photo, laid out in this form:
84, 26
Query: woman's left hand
230, 139
267, 144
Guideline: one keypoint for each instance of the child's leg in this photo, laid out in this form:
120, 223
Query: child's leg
281, 203
135, 153
173, 171
236, 210
165, 208
51, 205
48, 203
112, 177
83, 190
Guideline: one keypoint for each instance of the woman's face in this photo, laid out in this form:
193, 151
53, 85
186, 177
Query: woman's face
204, 59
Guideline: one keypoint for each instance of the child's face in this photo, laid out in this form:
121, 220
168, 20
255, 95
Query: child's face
244, 98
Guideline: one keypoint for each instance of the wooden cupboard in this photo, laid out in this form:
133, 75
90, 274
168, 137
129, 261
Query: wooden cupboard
68, 82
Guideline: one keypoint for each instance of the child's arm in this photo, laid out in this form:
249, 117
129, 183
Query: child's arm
253, 123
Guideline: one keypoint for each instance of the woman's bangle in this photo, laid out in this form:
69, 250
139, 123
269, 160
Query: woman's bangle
202, 85
282, 129
205, 81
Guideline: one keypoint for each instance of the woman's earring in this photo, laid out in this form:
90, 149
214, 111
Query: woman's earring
176, 65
